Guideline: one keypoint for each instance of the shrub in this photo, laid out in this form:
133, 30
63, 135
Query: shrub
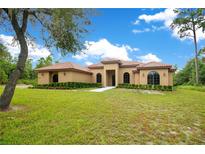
146, 87
67, 85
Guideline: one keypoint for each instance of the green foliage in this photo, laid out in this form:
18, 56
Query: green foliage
42, 62
4, 54
186, 76
188, 21
3, 77
6, 64
63, 29
27, 81
67, 85
29, 73
145, 87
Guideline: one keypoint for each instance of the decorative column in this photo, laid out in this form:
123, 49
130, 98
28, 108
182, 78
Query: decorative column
105, 78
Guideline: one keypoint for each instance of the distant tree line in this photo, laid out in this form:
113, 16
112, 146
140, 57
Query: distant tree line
8, 64
187, 76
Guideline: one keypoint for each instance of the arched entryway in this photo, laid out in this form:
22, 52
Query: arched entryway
153, 78
55, 78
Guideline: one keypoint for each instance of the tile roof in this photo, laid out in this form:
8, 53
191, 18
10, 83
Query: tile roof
98, 65
64, 66
129, 63
138, 66
122, 63
110, 60
153, 65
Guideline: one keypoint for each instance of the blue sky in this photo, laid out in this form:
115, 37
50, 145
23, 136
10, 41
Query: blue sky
129, 34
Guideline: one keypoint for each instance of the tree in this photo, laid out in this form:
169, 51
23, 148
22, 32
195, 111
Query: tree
188, 21
6, 64
28, 70
4, 54
61, 28
187, 74
44, 62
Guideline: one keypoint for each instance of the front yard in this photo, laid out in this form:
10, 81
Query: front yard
118, 116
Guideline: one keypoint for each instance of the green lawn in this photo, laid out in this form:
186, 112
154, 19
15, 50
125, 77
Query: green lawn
118, 116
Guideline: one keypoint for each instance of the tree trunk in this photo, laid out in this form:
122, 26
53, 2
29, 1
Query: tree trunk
196, 59
8, 92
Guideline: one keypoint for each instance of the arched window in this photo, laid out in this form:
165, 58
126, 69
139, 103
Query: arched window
98, 78
126, 77
153, 78
55, 78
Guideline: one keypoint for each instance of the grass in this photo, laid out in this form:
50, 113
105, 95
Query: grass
197, 88
118, 116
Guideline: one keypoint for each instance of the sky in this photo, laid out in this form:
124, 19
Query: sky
129, 34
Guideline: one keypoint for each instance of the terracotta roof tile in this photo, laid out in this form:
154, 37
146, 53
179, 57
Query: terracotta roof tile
123, 63
153, 65
110, 61
129, 63
98, 65
64, 66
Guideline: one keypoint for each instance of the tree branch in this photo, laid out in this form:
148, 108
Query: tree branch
39, 20
25, 19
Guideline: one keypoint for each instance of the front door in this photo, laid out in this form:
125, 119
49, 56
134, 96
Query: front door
113, 80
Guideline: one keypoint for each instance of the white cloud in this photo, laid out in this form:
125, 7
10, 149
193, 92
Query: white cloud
135, 31
80, 56
148, 58
88, 63
36, 51
152, 29
103, 48
130, 48
167, 16
155, 28
136, 22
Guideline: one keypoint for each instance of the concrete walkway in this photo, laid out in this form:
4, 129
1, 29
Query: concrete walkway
102, 89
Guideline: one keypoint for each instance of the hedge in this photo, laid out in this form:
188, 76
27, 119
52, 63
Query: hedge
146, 87
67, 85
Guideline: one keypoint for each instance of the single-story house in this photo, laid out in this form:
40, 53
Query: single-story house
109, 72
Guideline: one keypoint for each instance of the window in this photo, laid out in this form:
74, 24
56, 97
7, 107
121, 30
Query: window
153, 78
126, 77
98, 78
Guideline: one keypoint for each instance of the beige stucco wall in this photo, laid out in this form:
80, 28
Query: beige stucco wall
43, 78
124, 70
136, 78
165, 77
171, 78
66, 76
81, 77
95, 72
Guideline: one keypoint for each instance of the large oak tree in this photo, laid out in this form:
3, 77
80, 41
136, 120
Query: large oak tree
60, 28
